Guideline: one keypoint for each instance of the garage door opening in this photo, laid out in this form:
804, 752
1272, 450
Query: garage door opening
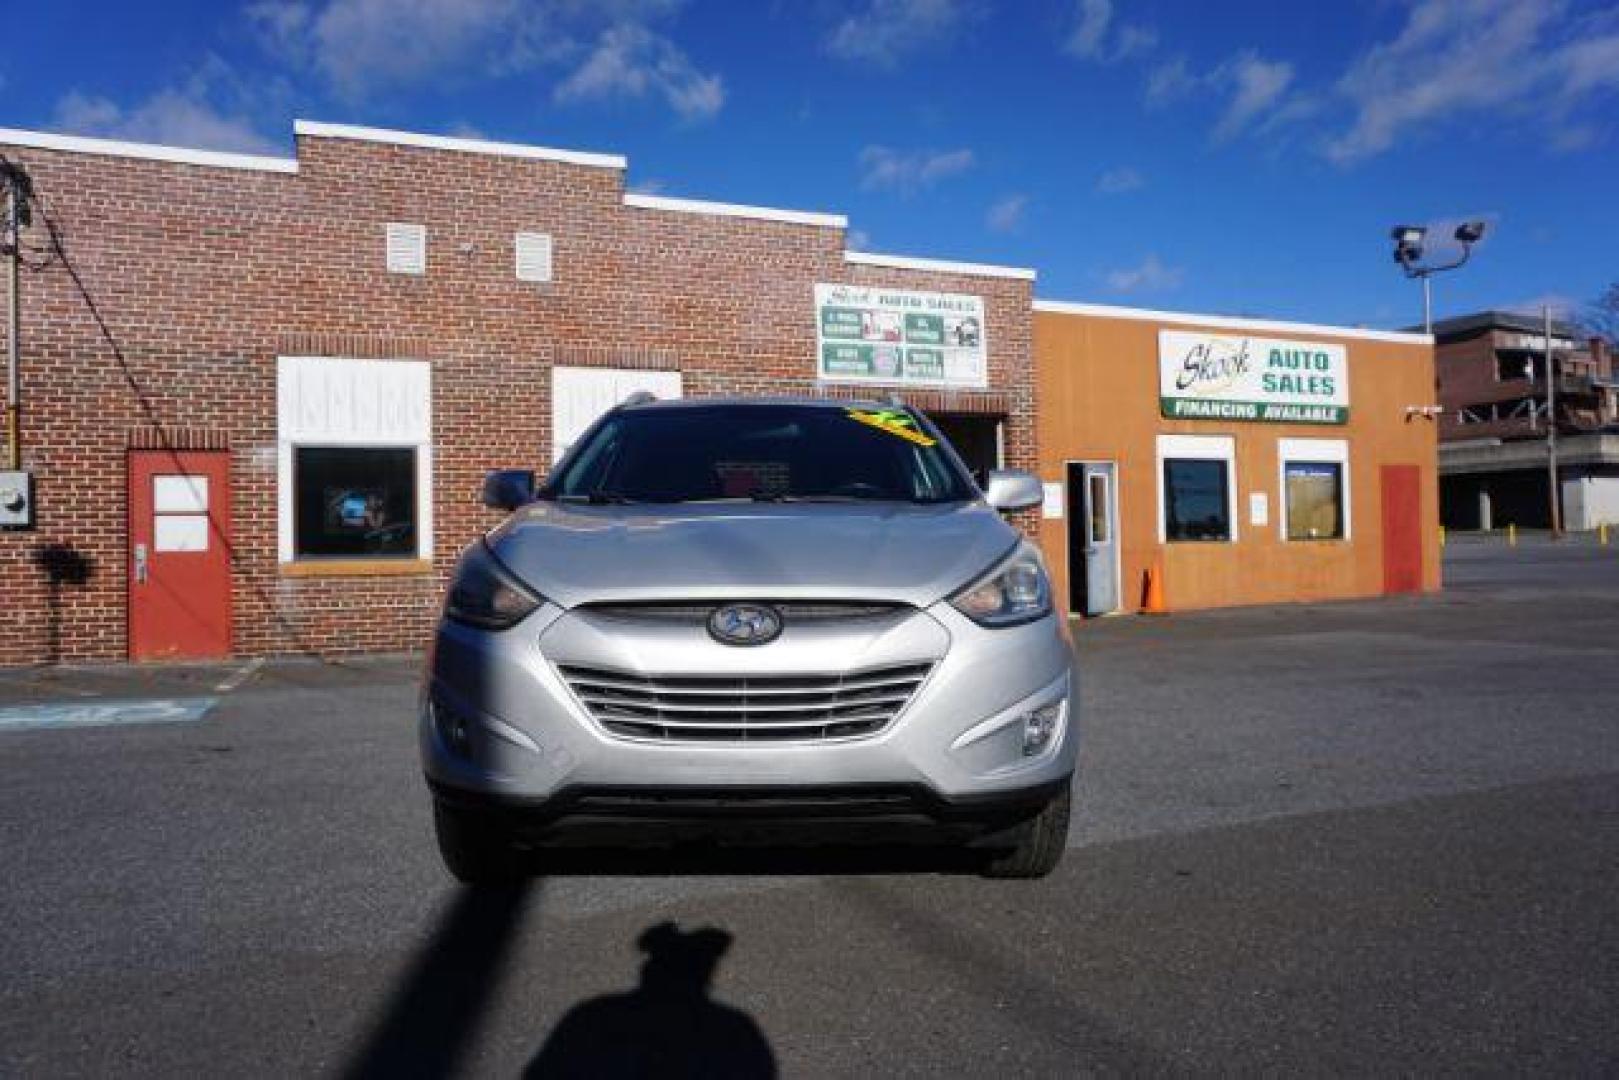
977, 440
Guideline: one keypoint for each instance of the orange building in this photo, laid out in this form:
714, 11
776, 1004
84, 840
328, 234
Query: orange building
1241, 461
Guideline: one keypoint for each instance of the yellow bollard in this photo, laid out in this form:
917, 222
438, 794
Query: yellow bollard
1441, 536
1512, 536
1602, 534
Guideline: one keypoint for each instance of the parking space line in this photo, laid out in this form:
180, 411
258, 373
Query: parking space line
236, 678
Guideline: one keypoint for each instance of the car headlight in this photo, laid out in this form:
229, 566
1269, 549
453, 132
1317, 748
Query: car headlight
484, 594
1015, 591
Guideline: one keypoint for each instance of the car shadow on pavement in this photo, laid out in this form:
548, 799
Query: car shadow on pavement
434, 1013
668, 1025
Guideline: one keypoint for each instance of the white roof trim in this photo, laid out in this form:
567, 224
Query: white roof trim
80, 144
764, 213
906, 262
320, 130
1228, 322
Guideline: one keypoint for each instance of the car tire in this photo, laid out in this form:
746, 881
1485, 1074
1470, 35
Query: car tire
475, 848
1032, 848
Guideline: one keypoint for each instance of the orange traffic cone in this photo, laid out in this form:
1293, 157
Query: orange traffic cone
1152, 593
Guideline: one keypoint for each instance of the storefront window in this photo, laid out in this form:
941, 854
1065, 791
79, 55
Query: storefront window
1315, 496
355, 501
1197, 502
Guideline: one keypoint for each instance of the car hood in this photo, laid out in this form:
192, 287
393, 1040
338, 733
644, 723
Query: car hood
900, 552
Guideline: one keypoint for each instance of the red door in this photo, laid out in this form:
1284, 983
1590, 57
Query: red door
179, 554
1402, 529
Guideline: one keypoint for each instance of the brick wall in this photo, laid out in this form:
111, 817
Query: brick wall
202, 276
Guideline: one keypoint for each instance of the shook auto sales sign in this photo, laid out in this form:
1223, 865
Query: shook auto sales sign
1237, 377
895, 336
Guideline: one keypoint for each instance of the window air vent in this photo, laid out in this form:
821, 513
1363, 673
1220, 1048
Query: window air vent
533, 256
407, 248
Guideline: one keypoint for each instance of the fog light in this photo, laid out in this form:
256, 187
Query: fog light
453, 728
1040, 727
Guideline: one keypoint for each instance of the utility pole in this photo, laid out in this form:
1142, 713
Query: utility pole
1551, 428
14, 210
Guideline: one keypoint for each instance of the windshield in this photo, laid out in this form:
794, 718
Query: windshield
765, 452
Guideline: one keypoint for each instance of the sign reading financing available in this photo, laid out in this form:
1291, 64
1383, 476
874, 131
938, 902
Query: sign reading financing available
1227, 377
893, 336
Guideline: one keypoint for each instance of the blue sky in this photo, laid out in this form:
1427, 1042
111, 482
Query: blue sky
1239, 157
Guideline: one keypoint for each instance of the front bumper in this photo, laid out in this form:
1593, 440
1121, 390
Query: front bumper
499, 725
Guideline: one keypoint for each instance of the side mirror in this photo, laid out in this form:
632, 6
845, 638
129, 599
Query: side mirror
1013, 489
507, 489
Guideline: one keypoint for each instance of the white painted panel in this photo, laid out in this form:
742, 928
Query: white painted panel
580, 395
180, 532
180, 494
340, 402
1051, 501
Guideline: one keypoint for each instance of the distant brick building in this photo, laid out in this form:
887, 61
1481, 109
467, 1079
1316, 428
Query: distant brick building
259, 394
1492, 373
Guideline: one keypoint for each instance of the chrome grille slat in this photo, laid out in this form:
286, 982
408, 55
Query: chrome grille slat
730, 687
745, 708
739, 705
792, 611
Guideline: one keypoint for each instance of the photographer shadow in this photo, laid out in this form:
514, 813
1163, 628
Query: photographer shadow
668, 1025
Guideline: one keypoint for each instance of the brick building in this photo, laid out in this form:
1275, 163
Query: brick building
259, 394
1492, 369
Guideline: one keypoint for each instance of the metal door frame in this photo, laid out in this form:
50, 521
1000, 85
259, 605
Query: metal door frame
1118, 540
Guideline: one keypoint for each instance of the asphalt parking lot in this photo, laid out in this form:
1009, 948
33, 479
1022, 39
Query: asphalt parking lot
1348, 838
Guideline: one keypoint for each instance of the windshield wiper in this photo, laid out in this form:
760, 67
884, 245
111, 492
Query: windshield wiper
599, 498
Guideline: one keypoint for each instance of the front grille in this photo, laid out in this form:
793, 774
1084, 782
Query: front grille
793, 612
751, 708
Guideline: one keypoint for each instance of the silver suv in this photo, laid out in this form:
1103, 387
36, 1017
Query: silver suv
766, 617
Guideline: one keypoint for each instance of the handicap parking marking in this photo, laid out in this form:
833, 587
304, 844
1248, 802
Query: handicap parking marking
83, 714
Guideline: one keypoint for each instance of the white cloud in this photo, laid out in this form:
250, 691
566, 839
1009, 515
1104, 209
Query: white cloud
600, 48
631, 61
1256, 87
1096, 37
1006, 214
211, 110
1254, 91
885, 168
883, 31
1501, 59
1170, 81
1120, 180
857, 240
649, 186
1149, 275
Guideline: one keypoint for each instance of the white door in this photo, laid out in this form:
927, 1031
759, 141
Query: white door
1093, 541
579, 395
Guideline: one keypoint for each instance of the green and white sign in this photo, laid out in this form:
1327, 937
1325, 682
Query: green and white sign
1231, 377
875, 335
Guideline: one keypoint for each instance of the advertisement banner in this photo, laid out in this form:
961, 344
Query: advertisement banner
1238, 377
878, 335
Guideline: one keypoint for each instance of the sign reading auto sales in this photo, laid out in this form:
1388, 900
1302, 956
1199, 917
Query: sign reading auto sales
896, 336
1237, 377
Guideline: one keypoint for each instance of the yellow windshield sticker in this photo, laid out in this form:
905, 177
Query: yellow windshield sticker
893, 422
